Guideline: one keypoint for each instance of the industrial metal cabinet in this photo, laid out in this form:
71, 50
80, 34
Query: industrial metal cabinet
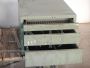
49, 33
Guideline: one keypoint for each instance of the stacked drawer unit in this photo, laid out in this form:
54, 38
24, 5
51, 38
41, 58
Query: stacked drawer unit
49, 33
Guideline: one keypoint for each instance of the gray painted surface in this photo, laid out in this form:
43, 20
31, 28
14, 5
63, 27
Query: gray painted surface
44, 8
53, 57
61, 26
51, 39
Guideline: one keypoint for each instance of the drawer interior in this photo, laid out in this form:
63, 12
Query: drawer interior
49, 32
69, 31
51, 47
63, 20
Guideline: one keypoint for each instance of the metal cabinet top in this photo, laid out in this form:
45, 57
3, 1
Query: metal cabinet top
44, 8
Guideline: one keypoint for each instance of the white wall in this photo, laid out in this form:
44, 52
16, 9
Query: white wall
81, 8
8, 12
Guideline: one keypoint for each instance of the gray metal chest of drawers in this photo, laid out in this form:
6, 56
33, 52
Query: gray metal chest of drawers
50, 37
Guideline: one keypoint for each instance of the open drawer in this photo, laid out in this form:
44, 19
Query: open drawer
53, 57
53, 26
56, 37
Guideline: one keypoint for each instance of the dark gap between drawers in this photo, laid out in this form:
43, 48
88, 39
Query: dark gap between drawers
49, 32
51, 47
69, 31
68, 20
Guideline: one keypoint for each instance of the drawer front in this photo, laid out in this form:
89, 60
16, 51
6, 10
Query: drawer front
40, 27
49, 39
53, 57
74, 57
70, 38
41, 40
44, 58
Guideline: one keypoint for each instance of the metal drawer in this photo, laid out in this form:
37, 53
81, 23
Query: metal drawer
40, 27
49, 39
52, 57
